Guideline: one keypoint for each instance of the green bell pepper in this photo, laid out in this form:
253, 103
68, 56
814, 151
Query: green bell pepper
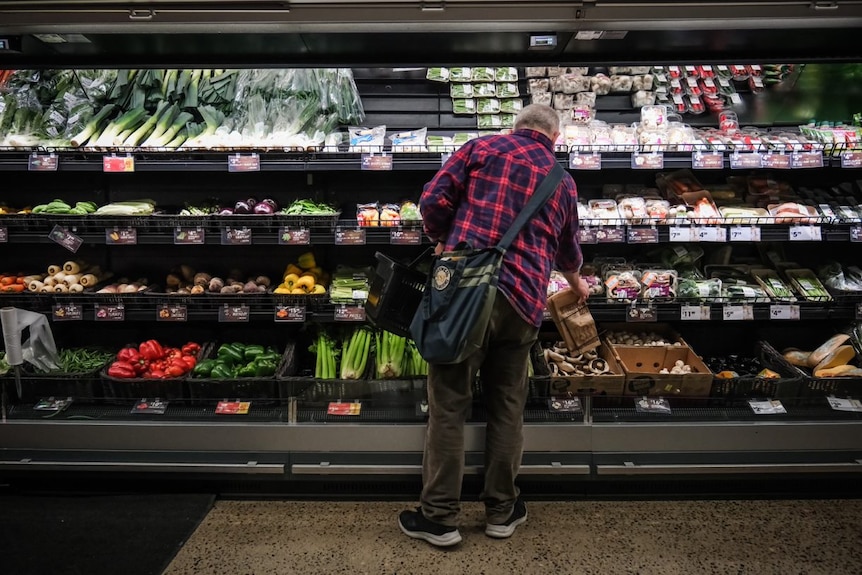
230, 353
247, 371
204, 368
251, 352
222, 371
264, 367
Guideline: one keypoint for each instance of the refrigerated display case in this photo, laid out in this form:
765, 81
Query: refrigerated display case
292, 431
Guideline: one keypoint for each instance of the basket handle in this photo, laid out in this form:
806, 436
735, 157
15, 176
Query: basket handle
428, 251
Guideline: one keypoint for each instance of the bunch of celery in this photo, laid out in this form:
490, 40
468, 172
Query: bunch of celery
390, 354
327, 356
354, 353
414, 364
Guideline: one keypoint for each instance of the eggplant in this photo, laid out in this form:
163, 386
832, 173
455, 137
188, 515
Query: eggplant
271, 202
225, 212
264, 209
242, 207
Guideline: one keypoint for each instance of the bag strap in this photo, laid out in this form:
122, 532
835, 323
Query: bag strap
538, 199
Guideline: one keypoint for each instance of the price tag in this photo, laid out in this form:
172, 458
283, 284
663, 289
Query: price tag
234, 313
155, 406
710, 234
767, 407
43, 163
167, 312
117, 165
67, 312
680, 234
240, 163
844, 404
707, 161
189, 236
349, 313
745, 234
653, 161
855, 234
565, 404
236, 236
694, 313
350, 237
546, 315
585, 162
121, 236
610, 235
405, 237
638, 314
805, 234
776, 161
587, 236
737, 313
784, 312
290, 313
735, 99
343, 408
851, 160
297, 237
65, 238
373, 163
643, 235
4, 235
745, 161
233, 407
804, 160
110, 312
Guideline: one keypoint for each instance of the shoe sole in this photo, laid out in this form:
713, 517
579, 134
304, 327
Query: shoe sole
504, 531
447, 540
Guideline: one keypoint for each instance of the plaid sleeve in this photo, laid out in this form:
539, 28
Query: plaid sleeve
569, 256
441, 196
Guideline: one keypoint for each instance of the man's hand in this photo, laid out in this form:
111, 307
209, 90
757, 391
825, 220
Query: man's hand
438, 249
579, 286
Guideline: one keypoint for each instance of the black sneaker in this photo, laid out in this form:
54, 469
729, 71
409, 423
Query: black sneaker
502, 531
415, 525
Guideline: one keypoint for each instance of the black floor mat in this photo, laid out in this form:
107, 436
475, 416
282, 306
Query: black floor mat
96, 534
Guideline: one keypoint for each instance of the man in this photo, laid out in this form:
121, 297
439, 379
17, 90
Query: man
475, 198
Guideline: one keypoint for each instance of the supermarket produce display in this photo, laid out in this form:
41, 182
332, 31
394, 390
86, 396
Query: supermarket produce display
205, 252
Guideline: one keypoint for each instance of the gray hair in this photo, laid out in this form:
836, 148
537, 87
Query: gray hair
538, 117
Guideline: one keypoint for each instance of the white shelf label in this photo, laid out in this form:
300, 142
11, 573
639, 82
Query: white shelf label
694, 313
784, 312
745, 234
805, 234
710, 234
767, 407
679, 234
737, 313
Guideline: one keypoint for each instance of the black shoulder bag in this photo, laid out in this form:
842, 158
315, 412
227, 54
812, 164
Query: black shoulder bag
450, 323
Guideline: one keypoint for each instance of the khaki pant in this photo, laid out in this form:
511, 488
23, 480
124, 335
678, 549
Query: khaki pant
503, 363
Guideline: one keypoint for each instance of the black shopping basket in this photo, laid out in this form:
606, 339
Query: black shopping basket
395, 293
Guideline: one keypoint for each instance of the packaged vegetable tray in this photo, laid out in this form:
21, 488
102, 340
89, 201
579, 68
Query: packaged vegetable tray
120, 388
240, 371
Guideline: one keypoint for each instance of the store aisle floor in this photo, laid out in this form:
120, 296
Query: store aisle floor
749, 537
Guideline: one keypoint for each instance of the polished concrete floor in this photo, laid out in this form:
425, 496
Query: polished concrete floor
750, 537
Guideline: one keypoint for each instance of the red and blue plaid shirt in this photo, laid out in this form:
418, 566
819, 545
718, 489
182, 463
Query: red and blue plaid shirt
477, 194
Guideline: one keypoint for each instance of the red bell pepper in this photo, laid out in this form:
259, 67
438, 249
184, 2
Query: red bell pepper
155, 374
174, 370
151, 350
172, 352
121, 369
190, 361
191, 348
129, 354
141, 366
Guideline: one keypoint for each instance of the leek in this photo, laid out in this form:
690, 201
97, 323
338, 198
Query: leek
179, 123
128, 121
146, 127
93, 125
162, 126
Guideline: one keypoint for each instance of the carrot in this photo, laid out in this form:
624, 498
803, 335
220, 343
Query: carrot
7, 280
14, 288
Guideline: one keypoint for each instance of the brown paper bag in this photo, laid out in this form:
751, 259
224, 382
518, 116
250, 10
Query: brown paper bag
574, 322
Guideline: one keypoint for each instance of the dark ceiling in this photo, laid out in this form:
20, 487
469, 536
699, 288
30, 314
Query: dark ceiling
417, 33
